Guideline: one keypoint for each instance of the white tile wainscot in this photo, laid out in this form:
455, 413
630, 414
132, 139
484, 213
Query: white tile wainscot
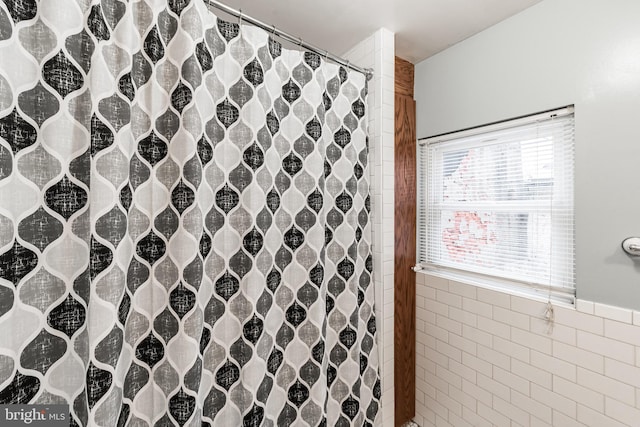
485, 358
377, 51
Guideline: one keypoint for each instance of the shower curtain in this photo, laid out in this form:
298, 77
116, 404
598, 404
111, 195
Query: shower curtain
184, 221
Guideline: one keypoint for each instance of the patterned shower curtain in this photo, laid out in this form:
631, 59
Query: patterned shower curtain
184, 221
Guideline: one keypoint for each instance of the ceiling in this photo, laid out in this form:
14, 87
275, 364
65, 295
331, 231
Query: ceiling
422, 27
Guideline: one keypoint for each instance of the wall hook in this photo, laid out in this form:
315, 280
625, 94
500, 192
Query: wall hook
631, 246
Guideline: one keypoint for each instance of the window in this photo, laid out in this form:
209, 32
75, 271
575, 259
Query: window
495, 203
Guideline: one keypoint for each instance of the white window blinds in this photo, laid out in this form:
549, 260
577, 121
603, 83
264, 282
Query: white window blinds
497, 201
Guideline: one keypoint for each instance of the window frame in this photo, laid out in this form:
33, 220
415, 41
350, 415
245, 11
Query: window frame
526, 288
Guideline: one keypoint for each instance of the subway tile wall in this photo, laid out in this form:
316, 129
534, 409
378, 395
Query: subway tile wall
377, 52
486, 358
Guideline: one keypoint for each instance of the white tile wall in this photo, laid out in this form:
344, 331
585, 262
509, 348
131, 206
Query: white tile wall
377, 52
487, 358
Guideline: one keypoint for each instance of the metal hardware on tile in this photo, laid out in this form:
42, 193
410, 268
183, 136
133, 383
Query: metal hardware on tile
631, 246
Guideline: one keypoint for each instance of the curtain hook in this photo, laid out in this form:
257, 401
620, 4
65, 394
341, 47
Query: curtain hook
326, 55
300, 42
239, 17
273, 32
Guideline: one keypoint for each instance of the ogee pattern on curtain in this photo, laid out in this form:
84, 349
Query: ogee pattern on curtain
184, 221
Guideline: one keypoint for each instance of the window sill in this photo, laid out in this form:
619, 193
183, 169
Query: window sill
505, 287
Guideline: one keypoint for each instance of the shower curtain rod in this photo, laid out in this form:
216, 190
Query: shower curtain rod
368, 72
